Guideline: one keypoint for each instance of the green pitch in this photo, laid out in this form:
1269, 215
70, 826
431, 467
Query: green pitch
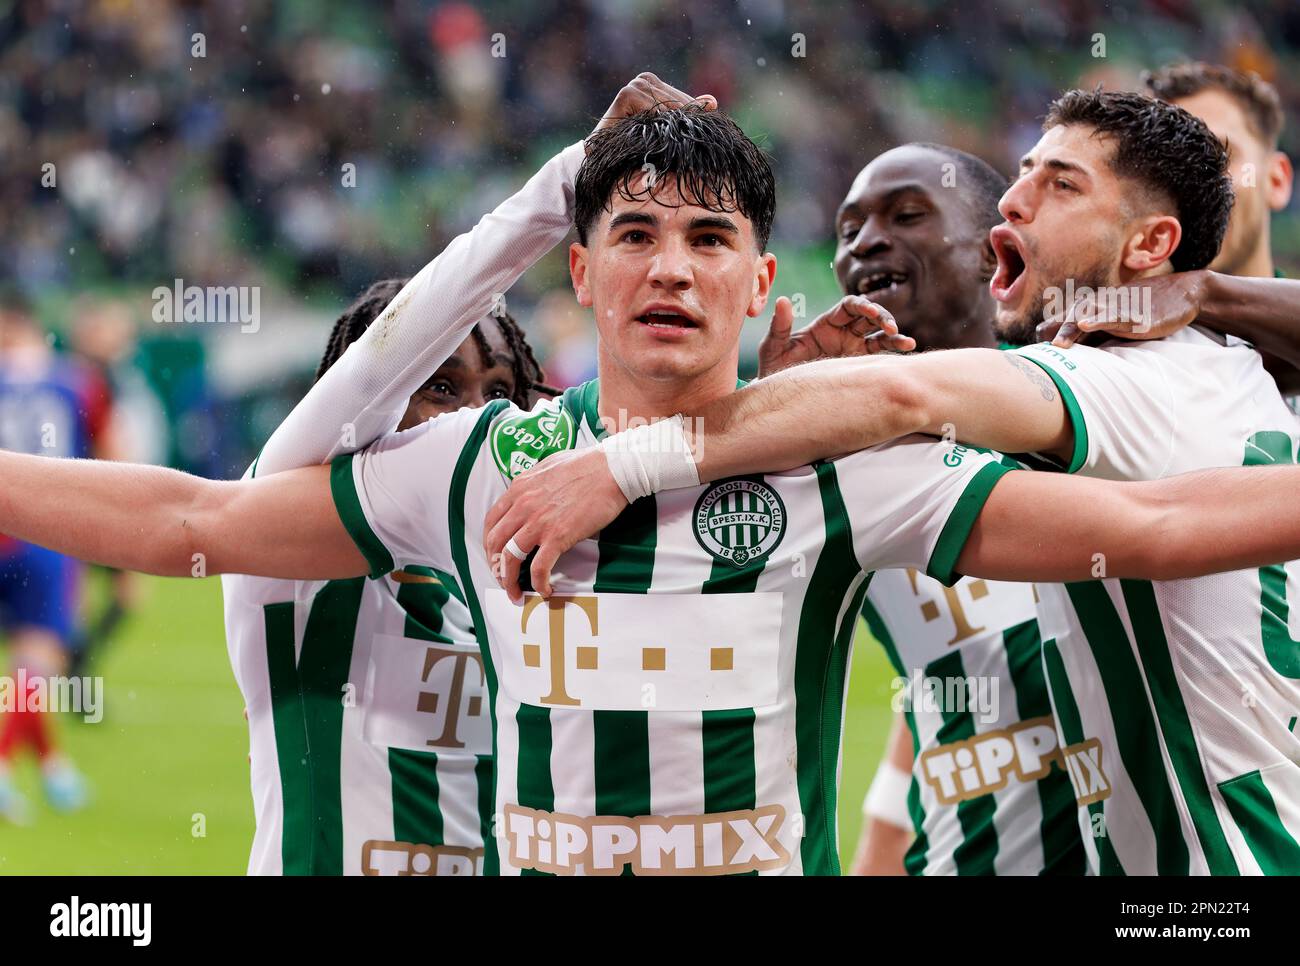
168, 763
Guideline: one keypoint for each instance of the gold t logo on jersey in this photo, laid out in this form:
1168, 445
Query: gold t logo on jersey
585, 655
430, 701
931, 612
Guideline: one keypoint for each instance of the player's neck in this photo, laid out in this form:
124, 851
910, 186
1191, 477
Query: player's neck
625, 395
1260, 262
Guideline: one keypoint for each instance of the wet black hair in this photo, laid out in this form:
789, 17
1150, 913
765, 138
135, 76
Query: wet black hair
711, 160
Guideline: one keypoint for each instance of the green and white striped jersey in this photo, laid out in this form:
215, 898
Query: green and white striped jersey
369, 733
989, 793
675, 707
1177, 702
371, 741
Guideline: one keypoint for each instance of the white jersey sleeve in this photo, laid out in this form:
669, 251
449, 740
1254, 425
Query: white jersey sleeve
912, 502
365, 393
393, 497
1121, 404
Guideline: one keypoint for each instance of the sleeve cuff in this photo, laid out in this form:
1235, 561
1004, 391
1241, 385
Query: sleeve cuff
1080, 454
343, 487
955, 533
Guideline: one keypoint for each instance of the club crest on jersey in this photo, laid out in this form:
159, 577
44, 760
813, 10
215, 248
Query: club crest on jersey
519, 441
739, 520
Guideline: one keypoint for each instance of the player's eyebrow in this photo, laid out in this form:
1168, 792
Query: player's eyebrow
632, 218
1055, 164
718, 222
888, 198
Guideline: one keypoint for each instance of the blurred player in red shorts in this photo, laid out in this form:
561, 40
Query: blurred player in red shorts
51, 406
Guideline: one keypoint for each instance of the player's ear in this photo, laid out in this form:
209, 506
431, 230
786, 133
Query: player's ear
1150, 243
578, 274
1279, 183
764, 276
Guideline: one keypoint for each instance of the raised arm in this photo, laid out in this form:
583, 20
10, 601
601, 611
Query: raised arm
162, 521
1052, 528
364, 395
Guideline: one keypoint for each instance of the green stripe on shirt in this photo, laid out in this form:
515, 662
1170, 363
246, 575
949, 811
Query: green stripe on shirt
343, 487
1079, 455
957, 528
1063, 852
821, 663
1136, 732
460, 554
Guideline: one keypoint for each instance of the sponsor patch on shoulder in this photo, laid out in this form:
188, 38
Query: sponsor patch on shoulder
520, 440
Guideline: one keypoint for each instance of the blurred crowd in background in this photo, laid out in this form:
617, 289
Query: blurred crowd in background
308, 147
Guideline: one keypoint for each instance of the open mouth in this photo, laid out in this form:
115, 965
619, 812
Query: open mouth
886, 280
667, 319
1006, 281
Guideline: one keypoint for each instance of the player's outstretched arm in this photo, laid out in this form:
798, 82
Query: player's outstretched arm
1053, 528
162, 521
815, 411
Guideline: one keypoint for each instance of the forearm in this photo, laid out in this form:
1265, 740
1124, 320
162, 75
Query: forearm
161, 521
365, 393
815, 411
830, 408
116, 514
1263, 311
1053, 529
886, 825
1218, 520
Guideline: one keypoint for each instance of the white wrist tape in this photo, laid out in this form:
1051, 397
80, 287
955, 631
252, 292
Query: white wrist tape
887, 797
650, 458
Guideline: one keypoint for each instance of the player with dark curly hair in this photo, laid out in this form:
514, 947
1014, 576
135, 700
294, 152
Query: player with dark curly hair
1121, 185
494, 362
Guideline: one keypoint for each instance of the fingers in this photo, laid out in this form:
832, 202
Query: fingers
500, 530
543, 564
1067, 334
1064, 331
782, 321
512, 564
862, 316
1046, 330
647, 91
668, 96
879, 342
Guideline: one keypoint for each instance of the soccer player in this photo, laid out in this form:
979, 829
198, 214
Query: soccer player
912, 235
371, 751
675, 708
371, 736
1244, 113
51, 406
1176, 703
